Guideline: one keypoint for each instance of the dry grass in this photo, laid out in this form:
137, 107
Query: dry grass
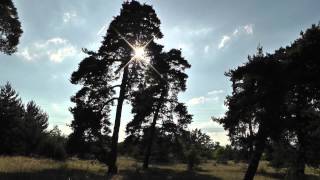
31, 168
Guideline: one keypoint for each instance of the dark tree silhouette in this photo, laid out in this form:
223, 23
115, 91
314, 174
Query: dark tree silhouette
137, 25
258, 93
11, 121
35, 124
157, 99
278, 94
10, 27
197, 145
91, 113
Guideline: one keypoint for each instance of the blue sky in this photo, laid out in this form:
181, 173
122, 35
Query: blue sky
214, 36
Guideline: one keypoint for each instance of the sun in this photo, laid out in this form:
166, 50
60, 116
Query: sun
139, 53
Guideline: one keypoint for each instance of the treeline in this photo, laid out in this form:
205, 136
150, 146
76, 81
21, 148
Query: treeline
274, 108
23, 128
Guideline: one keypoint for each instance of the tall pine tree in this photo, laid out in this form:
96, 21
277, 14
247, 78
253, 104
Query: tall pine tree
135, 27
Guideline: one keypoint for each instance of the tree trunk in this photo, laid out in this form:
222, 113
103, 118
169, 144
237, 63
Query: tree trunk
251, 139
113, 169
152, 132
256, 156
300, 161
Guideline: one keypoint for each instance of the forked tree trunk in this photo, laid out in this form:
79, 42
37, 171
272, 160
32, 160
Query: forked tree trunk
113, 169
152, 132
256, 156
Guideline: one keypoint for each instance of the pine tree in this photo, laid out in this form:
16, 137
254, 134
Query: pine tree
11, 121
35, 124
158, 99
129, 33
10, 27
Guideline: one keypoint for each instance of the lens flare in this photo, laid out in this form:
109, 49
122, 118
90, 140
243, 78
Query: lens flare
139, 54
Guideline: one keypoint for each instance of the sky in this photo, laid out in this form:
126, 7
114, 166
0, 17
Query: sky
214, 35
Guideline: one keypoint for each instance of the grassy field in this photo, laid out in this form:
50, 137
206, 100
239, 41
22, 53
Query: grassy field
25, 168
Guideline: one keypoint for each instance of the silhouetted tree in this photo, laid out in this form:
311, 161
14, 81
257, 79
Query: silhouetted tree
11, 121
278, 94
53, 146
197, 145
91, 113
258, 93
35, 124
10, 27
137, 25
302, 101
157, 98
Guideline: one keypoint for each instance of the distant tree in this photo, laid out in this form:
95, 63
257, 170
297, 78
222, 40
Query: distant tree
11, 121
197, 145
10, 27
53, 146
223, 154
137, 25
35, 124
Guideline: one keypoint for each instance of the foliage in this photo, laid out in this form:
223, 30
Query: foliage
23, 130
10, 27
275, 96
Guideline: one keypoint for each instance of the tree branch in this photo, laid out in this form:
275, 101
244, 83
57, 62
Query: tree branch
110, 100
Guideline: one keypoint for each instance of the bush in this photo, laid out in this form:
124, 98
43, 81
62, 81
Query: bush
51, 148
53, 145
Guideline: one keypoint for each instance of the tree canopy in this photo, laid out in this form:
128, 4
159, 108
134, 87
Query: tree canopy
10, 27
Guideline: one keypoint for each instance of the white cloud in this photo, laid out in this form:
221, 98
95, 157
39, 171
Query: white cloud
214, 92
235, 32
248, 28
56, 40
55, 49
68, 16
196, 101
225, 39
26, 54
60, 54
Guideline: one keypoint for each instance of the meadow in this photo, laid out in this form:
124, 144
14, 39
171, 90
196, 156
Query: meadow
26, 168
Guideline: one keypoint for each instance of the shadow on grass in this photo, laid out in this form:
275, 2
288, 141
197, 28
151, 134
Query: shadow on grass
164, 174
56, 174
283, 176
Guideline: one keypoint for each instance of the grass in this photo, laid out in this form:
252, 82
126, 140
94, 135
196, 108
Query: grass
25, 168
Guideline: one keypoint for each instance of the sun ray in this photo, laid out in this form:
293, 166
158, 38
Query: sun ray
123, 38
125, 65
152, 67
139, 54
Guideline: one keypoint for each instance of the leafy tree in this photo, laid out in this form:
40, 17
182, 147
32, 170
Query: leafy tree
136, 26
302, 101
11, 121
278, 94
197, 145
53, 146
10, 27
258, 93
35, 124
